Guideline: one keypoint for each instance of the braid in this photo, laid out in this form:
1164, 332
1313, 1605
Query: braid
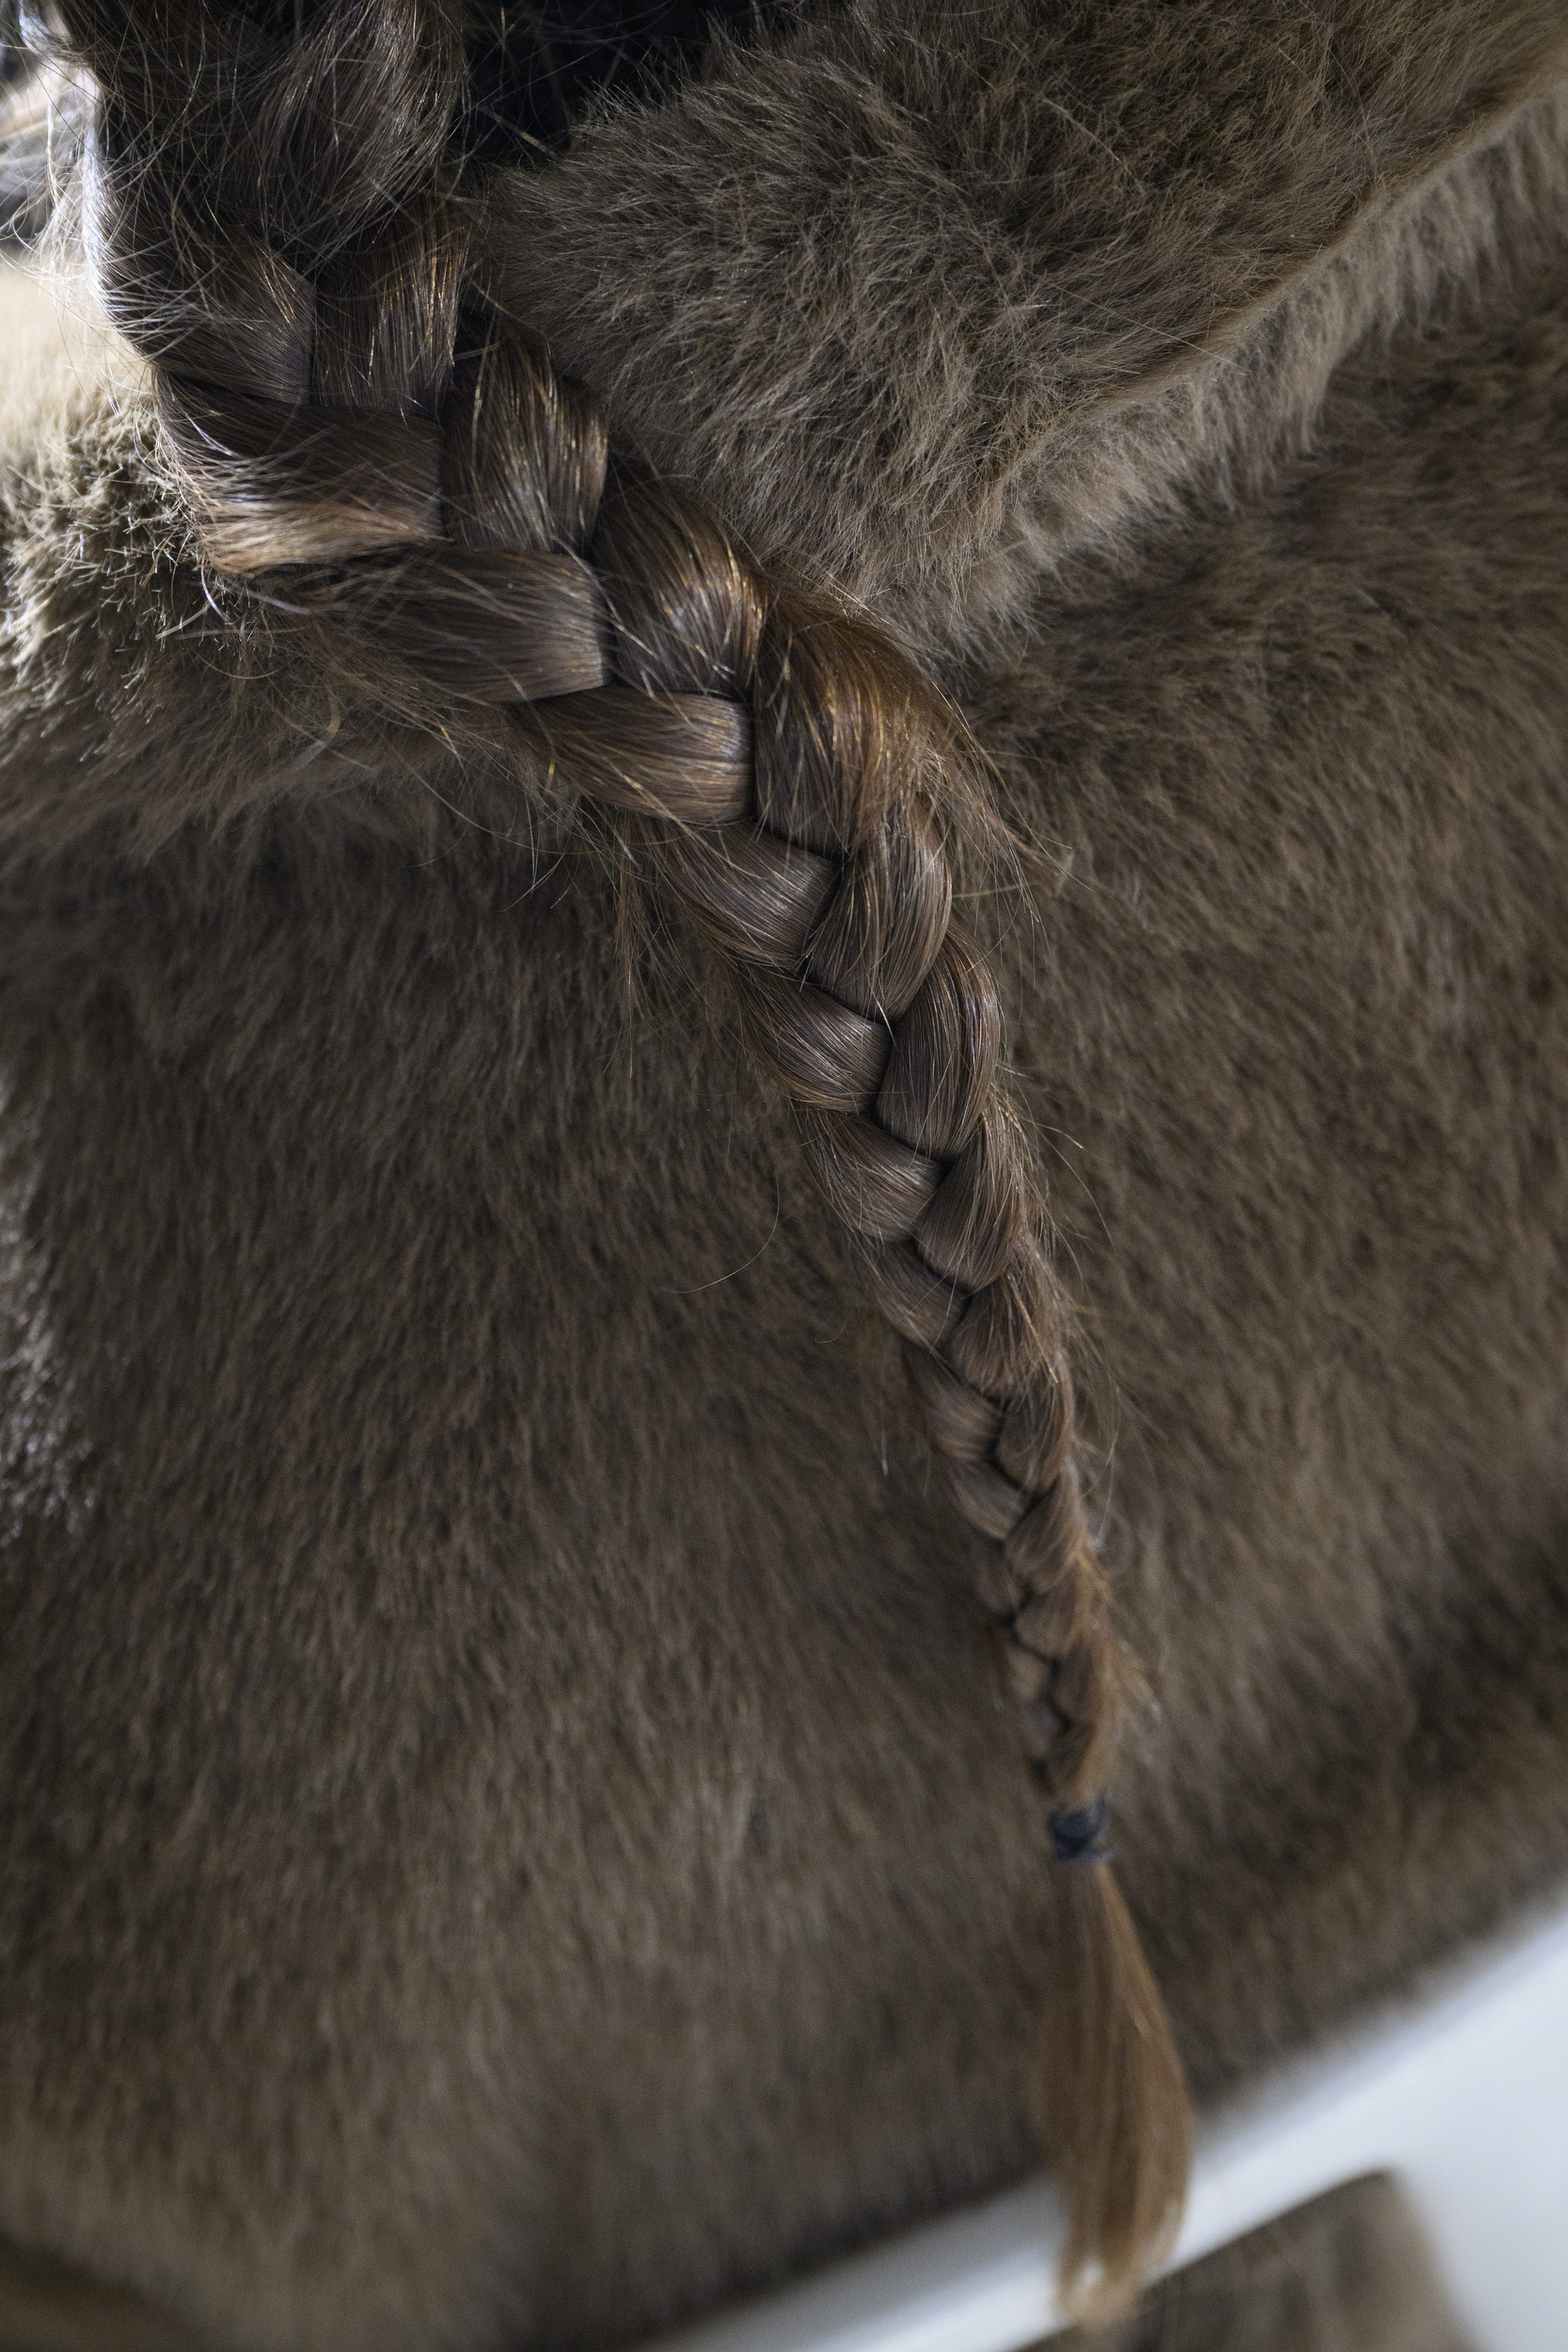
276, 220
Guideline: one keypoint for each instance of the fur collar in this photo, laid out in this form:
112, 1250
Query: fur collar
925, 294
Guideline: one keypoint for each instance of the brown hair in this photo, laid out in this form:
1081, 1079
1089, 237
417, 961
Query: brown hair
277, 203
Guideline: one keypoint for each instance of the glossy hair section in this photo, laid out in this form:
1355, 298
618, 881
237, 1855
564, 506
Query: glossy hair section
276, 213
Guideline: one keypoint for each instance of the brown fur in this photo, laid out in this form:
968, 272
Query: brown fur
1349, 2272
502, 1828
329, 388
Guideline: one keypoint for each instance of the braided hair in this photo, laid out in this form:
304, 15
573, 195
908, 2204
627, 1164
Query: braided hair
279, 203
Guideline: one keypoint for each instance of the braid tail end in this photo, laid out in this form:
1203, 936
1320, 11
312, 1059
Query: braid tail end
1114, 2110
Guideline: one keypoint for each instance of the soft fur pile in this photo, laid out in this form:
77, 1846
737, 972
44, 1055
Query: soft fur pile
505, 1834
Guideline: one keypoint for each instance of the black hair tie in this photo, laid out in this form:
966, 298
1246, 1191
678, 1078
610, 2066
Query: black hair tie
1079, 1836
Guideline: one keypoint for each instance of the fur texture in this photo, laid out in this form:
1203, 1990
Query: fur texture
1349, 2272
504, 1833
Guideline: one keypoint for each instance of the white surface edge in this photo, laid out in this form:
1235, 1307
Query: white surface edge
1462, 2094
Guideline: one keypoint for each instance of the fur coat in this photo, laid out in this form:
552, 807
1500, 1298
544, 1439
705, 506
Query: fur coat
507, 1829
